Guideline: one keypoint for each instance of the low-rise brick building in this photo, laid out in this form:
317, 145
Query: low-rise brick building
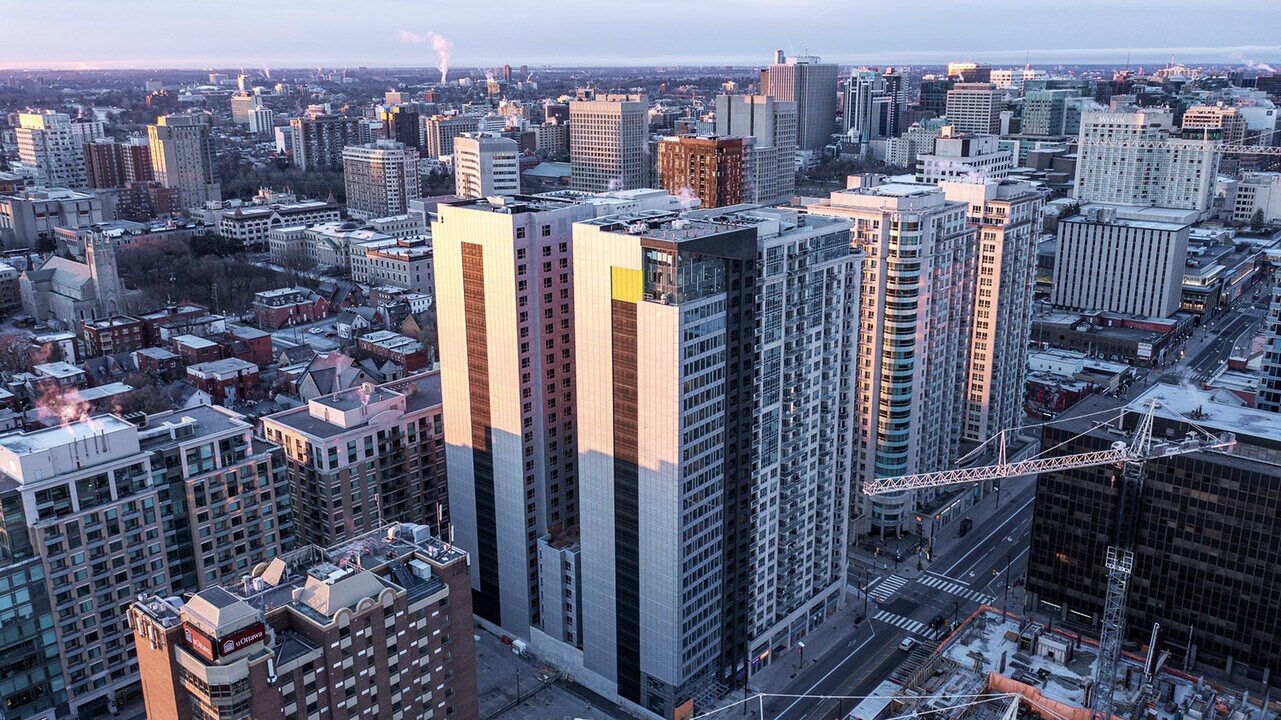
195, 349
228, 381
119, 333
387, 345
284, 307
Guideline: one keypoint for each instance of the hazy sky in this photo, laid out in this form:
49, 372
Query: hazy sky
253, 33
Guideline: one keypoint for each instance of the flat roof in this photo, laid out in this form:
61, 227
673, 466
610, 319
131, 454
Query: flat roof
27, 443
157, 353
102, 392
57, 369
280, 292
194, 341
224, 365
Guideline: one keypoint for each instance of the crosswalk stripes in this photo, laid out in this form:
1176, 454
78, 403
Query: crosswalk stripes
908, 624
887, 586
942, 583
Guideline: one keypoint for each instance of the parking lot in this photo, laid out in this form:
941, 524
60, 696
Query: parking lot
320, 335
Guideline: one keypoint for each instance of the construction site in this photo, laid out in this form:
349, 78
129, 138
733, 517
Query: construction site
994, 659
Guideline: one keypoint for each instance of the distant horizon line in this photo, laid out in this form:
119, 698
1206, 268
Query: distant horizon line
1248, 56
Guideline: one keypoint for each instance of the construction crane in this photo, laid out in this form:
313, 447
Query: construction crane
1182, 144
1131, 458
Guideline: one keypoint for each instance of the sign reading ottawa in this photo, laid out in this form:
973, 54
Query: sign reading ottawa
210, 649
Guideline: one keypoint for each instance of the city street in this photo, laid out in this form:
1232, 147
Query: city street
958, 580
966, 571
1211, 345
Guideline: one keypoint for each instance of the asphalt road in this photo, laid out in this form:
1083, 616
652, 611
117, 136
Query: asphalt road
1243, 319
961, 574
966, 571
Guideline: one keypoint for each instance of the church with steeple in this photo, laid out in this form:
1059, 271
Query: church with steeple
63, 292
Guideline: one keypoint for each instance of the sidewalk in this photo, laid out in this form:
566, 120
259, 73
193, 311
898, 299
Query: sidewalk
867, 562
830, 637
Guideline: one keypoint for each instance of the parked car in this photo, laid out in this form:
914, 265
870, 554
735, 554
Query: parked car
966, 525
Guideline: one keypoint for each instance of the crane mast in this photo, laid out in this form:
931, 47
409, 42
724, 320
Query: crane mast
1131, 458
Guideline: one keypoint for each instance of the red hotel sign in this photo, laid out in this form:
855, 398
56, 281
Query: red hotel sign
211, 649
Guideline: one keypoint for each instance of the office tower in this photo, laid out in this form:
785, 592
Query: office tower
975, 107
1171, 173
915, 141
551, 140
376, 627
49, 144
115, 164
866, 114
1256, 196
607, 141
442, 129
696, 532
1270, 369
959, 156
34, 683
810, 84
1206, 547
402, 125
1046, 112
29, 215
897, 92
244, 83
773, 125
262, 121
714, 168
913, 337
507, 73
933, 97
109, 510
485, 164
364, 456
381, 178
556, 112
1207, 122
504, 295
182, 158
105, 163
318, 140
1117, 264
243, 105
1006, 217
1013, 79
968, 72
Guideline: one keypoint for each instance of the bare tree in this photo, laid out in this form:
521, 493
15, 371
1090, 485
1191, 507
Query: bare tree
16, 352
295, 261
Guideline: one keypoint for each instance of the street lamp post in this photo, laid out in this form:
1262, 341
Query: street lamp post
801, 646
1005, 604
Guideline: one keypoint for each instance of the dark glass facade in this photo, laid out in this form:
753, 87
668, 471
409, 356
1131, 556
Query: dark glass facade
1207, 548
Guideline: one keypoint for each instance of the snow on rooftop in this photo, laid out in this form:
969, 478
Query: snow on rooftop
57, 369
1213, 409
28, 443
